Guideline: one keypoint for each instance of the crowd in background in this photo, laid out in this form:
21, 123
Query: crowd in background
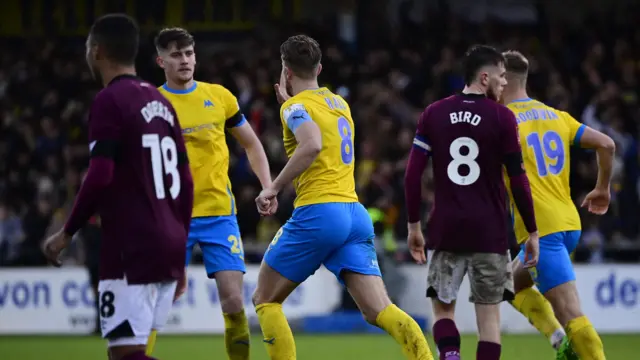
388, 74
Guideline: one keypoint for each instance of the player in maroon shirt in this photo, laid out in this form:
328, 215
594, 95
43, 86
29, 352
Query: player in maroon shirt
139, 184
470, 137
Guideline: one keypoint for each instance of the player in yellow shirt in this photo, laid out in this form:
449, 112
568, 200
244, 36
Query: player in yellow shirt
329, 226
546, 135
205, 111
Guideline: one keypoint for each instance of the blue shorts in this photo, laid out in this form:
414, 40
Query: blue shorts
336, 235
220, 242
554, 264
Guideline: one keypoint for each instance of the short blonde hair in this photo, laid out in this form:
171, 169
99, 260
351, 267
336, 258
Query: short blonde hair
515, 62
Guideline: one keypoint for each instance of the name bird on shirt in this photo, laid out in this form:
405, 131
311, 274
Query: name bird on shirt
465, 117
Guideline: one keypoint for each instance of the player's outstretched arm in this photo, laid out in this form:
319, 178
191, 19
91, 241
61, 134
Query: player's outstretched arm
597, 201
255, 152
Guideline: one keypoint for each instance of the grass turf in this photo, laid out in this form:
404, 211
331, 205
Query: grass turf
309, 347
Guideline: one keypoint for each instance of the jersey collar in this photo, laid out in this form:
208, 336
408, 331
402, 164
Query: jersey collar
473, 96
166, 87
521, 100
121, 77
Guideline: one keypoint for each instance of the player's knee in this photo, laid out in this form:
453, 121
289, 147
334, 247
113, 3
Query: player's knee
256, 299
442, 310
260, 297
566, 311
232, 303
565, 302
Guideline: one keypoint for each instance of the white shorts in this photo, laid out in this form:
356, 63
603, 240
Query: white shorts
128, 313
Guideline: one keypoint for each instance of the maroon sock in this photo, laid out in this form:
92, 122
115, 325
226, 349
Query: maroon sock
138, 355
488, 351
447, 339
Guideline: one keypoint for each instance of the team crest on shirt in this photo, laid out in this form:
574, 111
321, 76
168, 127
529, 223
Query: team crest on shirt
291, 109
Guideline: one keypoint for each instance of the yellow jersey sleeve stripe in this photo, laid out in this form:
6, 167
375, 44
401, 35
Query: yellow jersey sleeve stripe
579, 133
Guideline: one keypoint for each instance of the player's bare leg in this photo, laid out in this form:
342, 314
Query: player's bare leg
236, 334
585, 341
445, 332
530, 303
488, 321
370, 295
271, 291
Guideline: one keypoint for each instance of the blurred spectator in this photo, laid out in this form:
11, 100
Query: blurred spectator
36, 222
11, 236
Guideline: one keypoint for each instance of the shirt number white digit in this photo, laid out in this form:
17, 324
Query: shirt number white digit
164, 161
453, 170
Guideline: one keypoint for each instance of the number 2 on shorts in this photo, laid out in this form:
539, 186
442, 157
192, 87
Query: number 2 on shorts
236, 245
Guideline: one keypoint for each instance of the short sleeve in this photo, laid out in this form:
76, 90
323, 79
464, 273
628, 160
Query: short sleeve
233, 115
105, 126
294, 115
510, 137
421, 140
575, 127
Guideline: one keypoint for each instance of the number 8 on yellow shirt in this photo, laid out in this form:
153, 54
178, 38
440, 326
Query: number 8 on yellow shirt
329, 226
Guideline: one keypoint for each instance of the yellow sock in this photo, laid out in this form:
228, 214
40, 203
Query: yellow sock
584, 339
406, 332
151, 342
530, 303
236, 336
278, 337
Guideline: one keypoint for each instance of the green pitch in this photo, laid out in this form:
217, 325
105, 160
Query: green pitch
310, 347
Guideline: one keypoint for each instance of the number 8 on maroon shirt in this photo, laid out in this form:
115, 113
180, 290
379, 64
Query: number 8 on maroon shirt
469, 138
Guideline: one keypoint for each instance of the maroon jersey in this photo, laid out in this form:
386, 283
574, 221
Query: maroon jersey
144, 232
468, 137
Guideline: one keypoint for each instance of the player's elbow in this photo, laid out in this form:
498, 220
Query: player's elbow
313, 147
608, 145
410, 179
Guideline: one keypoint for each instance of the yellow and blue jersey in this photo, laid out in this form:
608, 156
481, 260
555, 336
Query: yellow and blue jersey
328, 226
204, 111
330, 178
546, 135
